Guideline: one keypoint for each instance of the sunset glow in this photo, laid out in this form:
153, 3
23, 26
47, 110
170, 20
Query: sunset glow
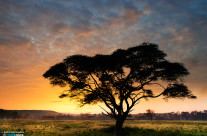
37, 34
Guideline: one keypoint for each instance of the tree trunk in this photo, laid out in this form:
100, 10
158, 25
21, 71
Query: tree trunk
118, 127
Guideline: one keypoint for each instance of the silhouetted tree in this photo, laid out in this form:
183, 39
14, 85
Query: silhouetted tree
185, 115
150, 113
119, 80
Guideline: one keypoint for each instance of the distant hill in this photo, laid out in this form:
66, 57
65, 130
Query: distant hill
35, 112
12, 114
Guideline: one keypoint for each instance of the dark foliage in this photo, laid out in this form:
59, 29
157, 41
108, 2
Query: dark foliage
120, 79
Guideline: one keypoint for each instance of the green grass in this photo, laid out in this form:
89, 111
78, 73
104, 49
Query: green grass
105, 128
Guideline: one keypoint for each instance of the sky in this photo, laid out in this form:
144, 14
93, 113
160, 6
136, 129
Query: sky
36, 34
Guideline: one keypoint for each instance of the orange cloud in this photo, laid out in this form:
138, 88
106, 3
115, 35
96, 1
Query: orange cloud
147, 11
130, 15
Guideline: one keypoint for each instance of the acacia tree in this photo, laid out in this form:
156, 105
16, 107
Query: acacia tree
150, 113
119, 80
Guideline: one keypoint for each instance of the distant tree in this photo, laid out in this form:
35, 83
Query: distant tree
185, 115
119, 80
150, 113
194, 115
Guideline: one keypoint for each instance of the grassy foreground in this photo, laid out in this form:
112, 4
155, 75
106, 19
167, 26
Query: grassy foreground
105, 128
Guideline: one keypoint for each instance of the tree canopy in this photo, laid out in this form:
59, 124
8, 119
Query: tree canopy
121, 79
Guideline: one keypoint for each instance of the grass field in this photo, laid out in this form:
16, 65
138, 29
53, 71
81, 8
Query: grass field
104, 128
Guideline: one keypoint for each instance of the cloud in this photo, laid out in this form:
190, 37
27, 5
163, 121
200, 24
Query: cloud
36, 34
54, 26
13, 40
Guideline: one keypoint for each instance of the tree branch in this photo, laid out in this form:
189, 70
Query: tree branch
108, 114
112, 99
159, 85
104, 100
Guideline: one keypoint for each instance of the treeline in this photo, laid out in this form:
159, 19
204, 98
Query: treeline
194, 115
51, 115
